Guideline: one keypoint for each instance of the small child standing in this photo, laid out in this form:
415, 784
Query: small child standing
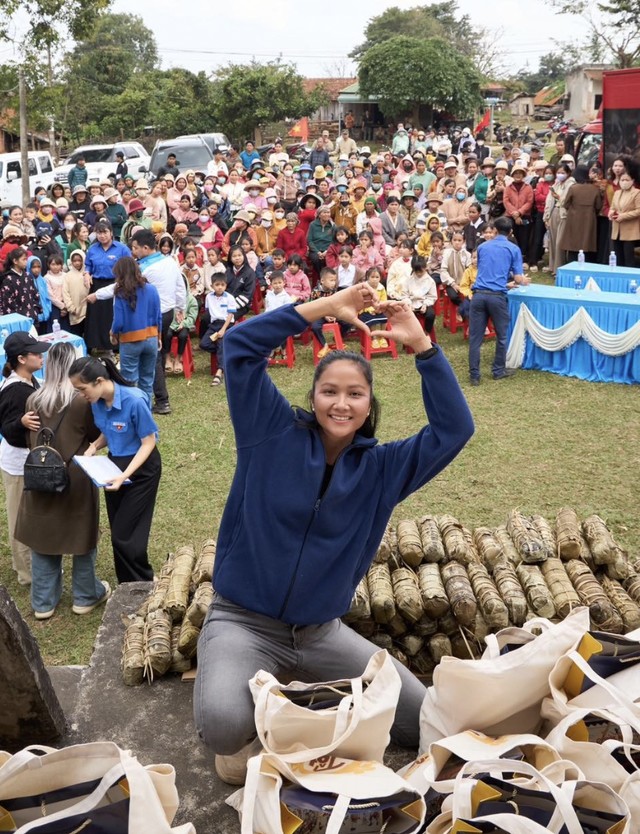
55, 282
247, 247
434, 264
75, 292
213, 266
421, 292
328, 286
369, 316
192, 273
221, 307
295, 281
347, 272
34, 269
400, 270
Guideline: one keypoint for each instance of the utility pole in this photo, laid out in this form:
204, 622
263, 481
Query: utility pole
24, 148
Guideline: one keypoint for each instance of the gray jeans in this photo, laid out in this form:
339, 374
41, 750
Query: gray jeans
235, 644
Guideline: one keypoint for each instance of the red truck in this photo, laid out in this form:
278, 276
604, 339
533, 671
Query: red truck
616, 130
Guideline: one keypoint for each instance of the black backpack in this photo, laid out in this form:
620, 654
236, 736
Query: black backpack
45, 469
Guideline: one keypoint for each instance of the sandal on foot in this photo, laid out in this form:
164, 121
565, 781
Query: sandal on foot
217, 379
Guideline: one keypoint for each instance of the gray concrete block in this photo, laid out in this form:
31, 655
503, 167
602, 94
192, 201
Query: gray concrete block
30, 712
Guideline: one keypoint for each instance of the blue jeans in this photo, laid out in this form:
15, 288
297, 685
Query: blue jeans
46, 580
484, 306
138, 363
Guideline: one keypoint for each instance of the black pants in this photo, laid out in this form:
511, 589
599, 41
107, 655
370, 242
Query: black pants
625, 253
181, 335
522, 234
130, 512
537, 240
214, 347
160, 383
604, 240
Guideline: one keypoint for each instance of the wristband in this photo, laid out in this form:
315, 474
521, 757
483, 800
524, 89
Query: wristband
427, 354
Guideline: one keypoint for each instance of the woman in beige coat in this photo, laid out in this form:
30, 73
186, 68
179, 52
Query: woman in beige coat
625, 221
75, 290
555, 215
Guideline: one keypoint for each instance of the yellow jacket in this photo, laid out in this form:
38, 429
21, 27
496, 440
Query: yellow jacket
468, 280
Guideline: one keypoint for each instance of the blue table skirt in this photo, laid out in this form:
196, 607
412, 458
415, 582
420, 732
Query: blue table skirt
76, 341
609, 279
14, 322
553, 307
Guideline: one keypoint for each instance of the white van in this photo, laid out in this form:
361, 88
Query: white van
40, 173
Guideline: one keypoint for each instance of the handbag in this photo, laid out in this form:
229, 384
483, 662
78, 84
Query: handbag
45, 469
86, 787
351, 718
508, 682
326, 796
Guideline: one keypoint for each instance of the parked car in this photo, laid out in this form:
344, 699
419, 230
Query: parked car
193, 151
41, 172
101, 160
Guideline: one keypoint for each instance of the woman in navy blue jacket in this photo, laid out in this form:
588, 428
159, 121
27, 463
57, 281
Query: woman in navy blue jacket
310, 499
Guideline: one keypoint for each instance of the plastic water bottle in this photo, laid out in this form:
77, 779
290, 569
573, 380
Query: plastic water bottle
613, 261
3, 335
633, 286
581, 257
577, 282
55, 328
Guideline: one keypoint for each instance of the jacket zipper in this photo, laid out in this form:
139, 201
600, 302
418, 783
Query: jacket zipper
316, 508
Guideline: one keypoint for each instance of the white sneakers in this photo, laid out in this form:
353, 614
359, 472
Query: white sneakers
233, 769
87, 609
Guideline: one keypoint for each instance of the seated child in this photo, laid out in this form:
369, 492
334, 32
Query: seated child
365, 255
421, 292
373, 319
193, 274
455, 259
466, 286
347, 272
278, 259
213, 266
394, 251
181, 331
328, 286
340, 239
423, 246
247, 247
296, 282
75, 292
276, 296
400, 270
434, 263
221, 307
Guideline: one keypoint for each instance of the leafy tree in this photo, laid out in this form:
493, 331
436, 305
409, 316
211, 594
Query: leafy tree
614, 34
395, 72
51, 20
247, 95
552, 67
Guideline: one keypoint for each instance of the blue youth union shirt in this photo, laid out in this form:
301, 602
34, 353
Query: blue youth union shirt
126, 422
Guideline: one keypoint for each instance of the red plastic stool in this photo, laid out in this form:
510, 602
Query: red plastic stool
489, 333
338, 344
431, 334
257, 301
440, 300
188, 365
304, 338
289, 358
450, 316
368, 350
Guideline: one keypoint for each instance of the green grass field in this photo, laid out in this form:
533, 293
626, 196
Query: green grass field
541, 442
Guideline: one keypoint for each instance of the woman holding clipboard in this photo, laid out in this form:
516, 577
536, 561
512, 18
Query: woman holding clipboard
53, 523
127, 428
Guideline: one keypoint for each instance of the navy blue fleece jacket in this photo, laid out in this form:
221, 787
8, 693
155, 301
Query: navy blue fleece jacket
282, 550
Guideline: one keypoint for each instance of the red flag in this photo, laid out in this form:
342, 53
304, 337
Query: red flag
484, 122
300, 130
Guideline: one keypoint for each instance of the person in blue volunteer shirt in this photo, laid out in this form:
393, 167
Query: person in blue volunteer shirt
127, 428
102, 256
311, 497
499, 268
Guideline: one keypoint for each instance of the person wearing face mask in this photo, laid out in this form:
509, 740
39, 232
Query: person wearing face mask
540, 194
266, 235
279, 221
343, 212
287, 188
555, 214
212, 235
254, 195
65, 237
518, 203
456, 210
625, 220
582, 204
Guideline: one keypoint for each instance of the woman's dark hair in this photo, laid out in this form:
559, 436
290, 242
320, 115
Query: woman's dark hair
418, 264
10, 365
564, 167
295, 259
449, 181
77, 229
237, 248
89, 369
13, 257
551, 168
128, 278
370, 425
581, 174
339, 229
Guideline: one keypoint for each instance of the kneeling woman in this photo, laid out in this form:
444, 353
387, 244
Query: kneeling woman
311, 497
122, 414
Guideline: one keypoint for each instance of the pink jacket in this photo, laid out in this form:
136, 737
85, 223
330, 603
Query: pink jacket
297, 285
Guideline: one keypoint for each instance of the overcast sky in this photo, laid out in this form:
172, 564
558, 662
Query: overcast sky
317, 36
